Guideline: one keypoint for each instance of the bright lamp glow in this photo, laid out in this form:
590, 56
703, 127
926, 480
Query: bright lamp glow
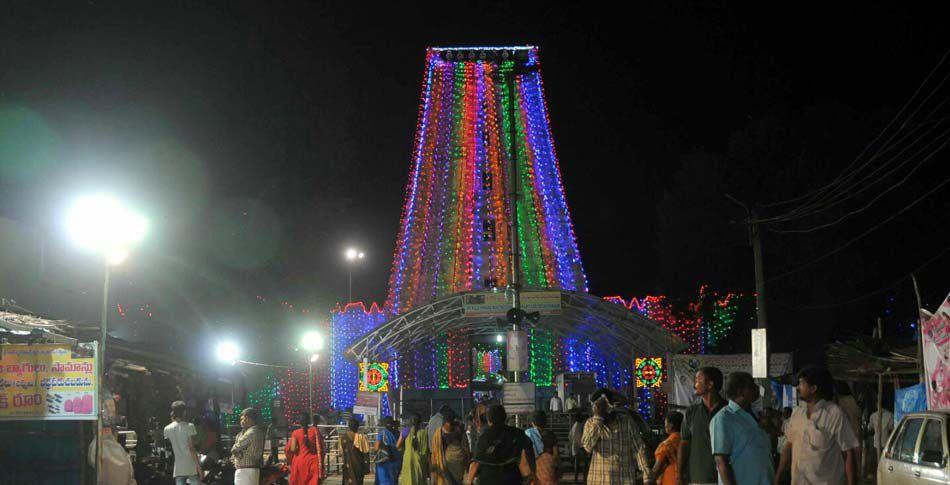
499, 338
311, 341
314, 357
102, 225
228, 352
352, 254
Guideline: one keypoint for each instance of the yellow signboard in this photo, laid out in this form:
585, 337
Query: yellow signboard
48, 381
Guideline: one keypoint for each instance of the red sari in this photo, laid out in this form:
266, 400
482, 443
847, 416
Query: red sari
306, 464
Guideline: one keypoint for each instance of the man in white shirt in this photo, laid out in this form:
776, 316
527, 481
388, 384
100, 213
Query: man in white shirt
180, 433
571, 403
821, 446
886, 427
556, 405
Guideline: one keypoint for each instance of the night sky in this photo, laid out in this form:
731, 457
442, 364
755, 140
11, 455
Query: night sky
262, 140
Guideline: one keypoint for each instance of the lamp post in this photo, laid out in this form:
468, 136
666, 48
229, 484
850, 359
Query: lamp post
353, 256
311, 342
100, 224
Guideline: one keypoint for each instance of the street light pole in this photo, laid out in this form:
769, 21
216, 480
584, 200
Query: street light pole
349, 285
101, 361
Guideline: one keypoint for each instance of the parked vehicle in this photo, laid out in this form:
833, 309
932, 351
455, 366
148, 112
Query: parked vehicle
221, 472
916, 452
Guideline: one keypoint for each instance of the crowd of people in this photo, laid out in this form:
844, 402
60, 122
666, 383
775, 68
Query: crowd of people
719, 439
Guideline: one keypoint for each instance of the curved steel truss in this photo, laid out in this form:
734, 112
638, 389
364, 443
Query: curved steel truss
615, 329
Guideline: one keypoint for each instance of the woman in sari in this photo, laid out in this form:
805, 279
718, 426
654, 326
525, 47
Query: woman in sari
387, 469
450, 452
353, 449
304, 452
415, 460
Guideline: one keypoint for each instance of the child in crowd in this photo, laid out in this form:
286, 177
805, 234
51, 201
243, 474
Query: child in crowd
547, 465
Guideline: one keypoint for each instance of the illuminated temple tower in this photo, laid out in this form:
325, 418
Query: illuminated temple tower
456, 223
482, 131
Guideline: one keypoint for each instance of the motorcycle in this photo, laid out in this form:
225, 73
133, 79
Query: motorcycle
221, 472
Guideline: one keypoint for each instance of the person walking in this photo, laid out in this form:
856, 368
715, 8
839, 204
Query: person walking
388, 456
179, 433
740, 446
304, 452
415, 460
556, 405
538, 422
450, 452
613, 439
666, 468
435, 422
247, 453
503, 454
696, 463
353, 449
821, 444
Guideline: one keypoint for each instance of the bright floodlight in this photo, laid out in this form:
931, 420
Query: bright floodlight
102, 225
314, 357
352, 254
311, 341
499, 338
228, 352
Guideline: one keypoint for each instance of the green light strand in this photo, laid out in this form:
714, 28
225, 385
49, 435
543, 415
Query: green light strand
442, 360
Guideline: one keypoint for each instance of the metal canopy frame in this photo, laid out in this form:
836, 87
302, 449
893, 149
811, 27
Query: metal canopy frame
616, 330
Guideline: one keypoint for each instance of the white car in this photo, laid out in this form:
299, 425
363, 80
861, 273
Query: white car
916, 452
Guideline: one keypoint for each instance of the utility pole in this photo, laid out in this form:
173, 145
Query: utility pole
920, 330
762, 322
761, 317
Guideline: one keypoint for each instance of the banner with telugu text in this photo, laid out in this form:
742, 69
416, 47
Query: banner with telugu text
935, 345
48, 382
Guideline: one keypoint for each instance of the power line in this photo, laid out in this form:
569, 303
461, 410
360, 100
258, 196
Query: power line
860, 236
838, 180
872, 293
876, 198
838, 195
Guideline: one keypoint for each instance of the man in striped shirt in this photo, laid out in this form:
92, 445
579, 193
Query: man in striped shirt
612, 437
248, 450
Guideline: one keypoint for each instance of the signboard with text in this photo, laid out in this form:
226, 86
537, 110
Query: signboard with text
367, 403
518, 397
48, 382
491, 303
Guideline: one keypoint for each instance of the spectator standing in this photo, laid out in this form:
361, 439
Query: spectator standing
821, 444
571, 403
353, 449
578, 454
304, 452
415, 463
556, 406
548, 472
612, 437
435, 422
696, 461
740, 446
450, 452
538, 421
115, 464
882, 432
180, 434
666, 468
503, 454
248, 450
